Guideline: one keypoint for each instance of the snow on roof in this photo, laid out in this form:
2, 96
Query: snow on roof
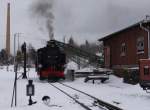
117, 32
99, 54
85, 70
91, 69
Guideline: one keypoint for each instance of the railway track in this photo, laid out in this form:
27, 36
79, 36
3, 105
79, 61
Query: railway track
85, 100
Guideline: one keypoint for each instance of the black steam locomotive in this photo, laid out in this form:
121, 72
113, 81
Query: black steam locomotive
50, 62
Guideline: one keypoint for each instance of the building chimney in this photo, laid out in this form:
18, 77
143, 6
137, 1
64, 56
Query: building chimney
8, 30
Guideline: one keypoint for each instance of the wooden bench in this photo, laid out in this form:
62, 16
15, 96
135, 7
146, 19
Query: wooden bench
102, 77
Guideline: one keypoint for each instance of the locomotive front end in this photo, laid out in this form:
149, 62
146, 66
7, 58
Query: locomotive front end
51, 61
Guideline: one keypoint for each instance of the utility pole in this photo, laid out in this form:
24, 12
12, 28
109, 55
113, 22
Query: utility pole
18, 41
16, 35
14, 95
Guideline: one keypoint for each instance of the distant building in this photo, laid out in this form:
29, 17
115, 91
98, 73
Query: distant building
124, 48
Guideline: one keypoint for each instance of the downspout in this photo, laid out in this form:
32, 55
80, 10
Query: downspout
148, 32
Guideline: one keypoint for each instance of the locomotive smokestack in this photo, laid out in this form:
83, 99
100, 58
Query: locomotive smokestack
8, 30
51, 36
43, 10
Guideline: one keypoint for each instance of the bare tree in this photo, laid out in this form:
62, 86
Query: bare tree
31, 54
72, 42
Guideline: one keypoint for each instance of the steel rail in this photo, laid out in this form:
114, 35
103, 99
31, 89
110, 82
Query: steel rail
102, 103
81, 104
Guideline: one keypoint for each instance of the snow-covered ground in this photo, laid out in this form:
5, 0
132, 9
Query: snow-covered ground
114, 91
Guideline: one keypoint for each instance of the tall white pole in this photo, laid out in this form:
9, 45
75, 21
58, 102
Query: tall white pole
14, 50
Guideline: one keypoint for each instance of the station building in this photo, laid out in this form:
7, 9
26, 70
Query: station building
124, 48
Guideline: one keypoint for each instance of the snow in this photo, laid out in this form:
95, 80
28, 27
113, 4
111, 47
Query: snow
71, 66
114, 91
92, 69
99, 54
85, 70
130, 97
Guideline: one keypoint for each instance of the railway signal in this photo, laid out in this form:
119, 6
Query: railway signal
30, 91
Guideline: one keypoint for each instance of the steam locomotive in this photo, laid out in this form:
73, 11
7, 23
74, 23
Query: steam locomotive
50, 62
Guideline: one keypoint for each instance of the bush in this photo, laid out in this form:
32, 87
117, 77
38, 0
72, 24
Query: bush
131, 76
125, 76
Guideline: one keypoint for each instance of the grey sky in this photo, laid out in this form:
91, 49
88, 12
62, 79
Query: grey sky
83, 19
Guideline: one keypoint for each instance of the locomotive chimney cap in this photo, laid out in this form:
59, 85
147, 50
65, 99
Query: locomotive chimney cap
51, 43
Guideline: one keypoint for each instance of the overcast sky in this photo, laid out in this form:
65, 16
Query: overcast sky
82, 19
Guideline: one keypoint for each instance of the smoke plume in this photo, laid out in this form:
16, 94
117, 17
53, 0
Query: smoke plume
43, 10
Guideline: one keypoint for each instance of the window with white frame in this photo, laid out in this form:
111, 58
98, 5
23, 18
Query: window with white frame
123, 49
140, 45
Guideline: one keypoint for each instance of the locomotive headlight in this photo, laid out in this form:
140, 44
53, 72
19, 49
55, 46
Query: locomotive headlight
40, 65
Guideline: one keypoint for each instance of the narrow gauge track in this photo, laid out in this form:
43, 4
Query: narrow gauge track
100, 102
97, 103
81, 104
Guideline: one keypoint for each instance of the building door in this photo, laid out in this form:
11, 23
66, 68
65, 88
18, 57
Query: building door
107, 56
144, 70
